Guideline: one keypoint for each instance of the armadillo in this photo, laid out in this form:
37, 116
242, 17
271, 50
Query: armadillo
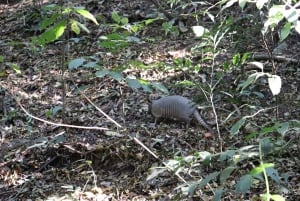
177, 107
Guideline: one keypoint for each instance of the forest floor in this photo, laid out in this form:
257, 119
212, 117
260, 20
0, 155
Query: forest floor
42, 161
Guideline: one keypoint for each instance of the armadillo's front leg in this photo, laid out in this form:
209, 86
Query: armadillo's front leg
152, 125
188, 123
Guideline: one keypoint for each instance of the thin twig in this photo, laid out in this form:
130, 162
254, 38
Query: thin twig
58, 124
103, 113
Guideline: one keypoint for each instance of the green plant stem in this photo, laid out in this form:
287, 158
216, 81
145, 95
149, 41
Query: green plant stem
265, 173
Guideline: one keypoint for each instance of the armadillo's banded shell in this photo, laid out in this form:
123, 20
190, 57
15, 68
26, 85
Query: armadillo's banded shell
174, 107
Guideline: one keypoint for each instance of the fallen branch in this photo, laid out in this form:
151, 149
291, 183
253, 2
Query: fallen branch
262, 56
58, 124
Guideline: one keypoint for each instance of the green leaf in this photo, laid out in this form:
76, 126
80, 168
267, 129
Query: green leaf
58, 139
173, 164
236, 127
251, 79
260, 168
204, 156
211, 16
117, 76
87, 15
115, 16
51, 7
260, 4
149, 21
251, 135
273, 173
207, 179
146, 88
133, 39
228, 154
116, 36
245, 84
285, 31
277, 198
52, 33
56, 109
266, 130
244, 184
133, 83
102, 73
276, 14
114, 41
236, 59
160, 87
137, 64
155, 172
82, 26
66, 10
225, 174
134, 28
107, 44
194, 185
41, 139
266, 145
124, 20
283, 128
259, 65
74, 27
145, 85
80, 89
48, 113
229, 4
245, 57
218, 194
258, 94
1, 58
15, 67
91, 64
75, 63
48, 21
266, 197
242, 3
186, 83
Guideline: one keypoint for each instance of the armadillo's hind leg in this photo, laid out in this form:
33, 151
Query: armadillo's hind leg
188, 122
156, 121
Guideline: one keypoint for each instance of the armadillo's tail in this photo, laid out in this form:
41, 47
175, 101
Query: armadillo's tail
201, 120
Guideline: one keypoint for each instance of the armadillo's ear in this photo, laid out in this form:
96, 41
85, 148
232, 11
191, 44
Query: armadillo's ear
153, 97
